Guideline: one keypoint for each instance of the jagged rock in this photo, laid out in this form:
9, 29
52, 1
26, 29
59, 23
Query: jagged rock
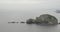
46, 19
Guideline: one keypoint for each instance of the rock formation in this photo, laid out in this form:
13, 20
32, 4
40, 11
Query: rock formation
43, 19
47, 19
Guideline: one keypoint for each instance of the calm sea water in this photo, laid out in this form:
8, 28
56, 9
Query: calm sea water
18, 16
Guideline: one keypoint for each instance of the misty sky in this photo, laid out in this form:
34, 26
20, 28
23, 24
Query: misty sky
29, 4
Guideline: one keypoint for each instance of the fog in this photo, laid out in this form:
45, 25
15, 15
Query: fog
25, 5
21, 10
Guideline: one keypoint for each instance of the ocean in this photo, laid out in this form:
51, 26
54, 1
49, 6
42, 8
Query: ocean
18, 16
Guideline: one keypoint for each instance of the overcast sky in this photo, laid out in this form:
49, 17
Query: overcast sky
29, 4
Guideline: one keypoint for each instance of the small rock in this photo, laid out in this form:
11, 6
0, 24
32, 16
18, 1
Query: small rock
11, 22
30, 21
22, 22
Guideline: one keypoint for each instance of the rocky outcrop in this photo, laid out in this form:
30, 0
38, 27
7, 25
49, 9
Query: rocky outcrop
43, 19
47, 19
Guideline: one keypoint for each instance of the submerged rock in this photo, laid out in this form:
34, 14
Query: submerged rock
13, 22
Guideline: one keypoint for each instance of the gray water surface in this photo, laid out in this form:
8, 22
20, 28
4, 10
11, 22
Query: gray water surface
18, 16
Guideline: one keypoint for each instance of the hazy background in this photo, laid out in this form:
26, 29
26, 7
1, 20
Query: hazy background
28, 8
29, 4
21, 10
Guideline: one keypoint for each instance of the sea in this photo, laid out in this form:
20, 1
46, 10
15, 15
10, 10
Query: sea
22, 15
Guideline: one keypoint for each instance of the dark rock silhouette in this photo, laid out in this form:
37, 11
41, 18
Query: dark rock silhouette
47, 19
30, 21
13, 22
43, 19
22, 22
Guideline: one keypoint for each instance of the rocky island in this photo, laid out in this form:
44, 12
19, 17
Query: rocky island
43, 19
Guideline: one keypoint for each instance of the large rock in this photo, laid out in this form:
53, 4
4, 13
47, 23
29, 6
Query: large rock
46, 19
43, 19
